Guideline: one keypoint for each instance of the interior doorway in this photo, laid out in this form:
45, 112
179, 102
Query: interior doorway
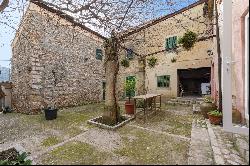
194, 82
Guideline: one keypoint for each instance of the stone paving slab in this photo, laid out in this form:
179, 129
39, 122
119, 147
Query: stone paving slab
200, 152
223, 145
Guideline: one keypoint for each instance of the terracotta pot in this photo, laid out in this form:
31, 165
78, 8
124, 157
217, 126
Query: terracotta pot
129, 107
216, 120
236, 116
207, 107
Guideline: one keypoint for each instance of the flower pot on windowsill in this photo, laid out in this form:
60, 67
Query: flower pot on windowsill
50, 113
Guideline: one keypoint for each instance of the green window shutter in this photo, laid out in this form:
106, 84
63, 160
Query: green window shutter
175, 41
130, 54
171, 43
163, 81
98, 54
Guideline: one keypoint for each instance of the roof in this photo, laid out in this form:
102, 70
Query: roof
156, 21
65, 16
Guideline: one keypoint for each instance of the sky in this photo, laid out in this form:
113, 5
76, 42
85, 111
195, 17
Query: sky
7, 32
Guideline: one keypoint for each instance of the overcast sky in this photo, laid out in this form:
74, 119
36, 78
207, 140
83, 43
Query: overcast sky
7, 32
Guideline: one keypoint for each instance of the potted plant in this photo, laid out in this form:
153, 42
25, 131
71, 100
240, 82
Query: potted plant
125, 63
129, 88
152, 62
188, 40
215, 117
51, 111
206, 106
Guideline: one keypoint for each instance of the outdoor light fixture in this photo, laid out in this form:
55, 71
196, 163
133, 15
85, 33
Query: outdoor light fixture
210, 52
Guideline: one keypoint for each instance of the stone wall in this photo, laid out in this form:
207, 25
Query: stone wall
53, 59
152, 38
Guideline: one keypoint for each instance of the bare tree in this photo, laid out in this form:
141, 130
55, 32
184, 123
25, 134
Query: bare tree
112, 17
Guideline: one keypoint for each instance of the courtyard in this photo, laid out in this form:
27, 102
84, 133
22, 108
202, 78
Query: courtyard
162, 139
167, 137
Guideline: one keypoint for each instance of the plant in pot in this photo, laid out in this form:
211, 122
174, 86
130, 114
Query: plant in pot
215, 117
51, 111
129, 88
152, 62
206, 106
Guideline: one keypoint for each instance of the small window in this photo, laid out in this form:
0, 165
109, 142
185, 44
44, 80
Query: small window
163, 81
99, 54
130, 54
171, 43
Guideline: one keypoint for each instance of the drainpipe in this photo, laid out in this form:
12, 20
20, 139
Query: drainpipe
219, 55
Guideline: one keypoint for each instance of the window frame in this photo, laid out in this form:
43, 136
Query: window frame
96, 54
167, 81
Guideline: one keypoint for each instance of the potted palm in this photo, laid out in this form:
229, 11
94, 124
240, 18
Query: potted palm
215, 117
129, 88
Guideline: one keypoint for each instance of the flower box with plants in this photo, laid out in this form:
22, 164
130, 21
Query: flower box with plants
129, 88
215, 117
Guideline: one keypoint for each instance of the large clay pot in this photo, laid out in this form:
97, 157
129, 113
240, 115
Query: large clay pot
207, 107
129, 107
216, 120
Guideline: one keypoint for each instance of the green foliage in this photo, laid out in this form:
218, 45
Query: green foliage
130, 87
173, 60
125, 63
208, 99
215, 113
152, 61
20, 160
188, 40
50, 141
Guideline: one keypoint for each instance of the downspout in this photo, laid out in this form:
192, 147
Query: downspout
219, 56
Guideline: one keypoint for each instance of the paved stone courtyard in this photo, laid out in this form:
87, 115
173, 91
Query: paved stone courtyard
173, 136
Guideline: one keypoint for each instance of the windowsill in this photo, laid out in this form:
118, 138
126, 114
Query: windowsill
163, 88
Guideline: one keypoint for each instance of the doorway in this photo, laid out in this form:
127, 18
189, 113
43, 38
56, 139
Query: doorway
194, 82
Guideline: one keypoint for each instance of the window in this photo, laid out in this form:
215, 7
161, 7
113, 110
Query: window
98, 54
247, 66
163, 81
171, 43
130, 54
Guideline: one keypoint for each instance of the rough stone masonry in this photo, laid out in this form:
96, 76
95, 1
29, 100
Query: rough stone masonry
54, 62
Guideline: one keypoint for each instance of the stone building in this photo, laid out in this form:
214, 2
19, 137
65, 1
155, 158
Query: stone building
55, 61
176, 69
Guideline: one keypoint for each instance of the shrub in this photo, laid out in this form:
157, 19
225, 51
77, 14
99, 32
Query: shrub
215, 113
125, 63
152, 61
188, 40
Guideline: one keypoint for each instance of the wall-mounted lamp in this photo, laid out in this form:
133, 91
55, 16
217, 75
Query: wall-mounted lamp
210, 52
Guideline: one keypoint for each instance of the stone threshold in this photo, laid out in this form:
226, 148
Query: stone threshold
104, 126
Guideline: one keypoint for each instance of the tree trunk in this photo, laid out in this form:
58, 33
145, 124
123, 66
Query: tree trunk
111, 113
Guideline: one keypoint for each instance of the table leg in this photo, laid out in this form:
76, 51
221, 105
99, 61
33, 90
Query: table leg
135, 108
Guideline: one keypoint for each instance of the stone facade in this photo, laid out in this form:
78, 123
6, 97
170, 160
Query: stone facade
151, 38
54, 62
